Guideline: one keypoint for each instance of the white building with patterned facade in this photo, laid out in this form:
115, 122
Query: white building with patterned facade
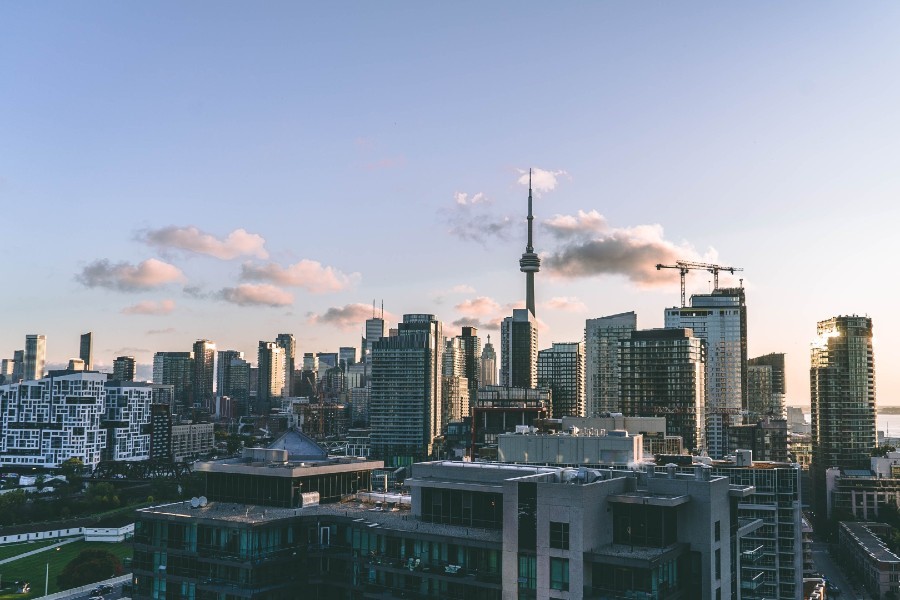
47, 421
126, 420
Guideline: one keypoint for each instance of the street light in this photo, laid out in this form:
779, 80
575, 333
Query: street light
47, 577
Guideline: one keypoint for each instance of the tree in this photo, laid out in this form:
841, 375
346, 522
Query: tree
40, 482
883, 450
73, 470
89, 566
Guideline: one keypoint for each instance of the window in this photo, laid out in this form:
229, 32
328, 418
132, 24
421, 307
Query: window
718, 564
718, 530
559, 535
559, 573
527, 572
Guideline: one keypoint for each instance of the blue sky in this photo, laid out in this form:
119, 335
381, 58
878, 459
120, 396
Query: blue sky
375, 150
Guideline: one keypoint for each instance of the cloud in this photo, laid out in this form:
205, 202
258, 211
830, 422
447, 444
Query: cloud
463, 199
160, 331
478, 307
491, 325
541, 180
125, 277
590, 247
149, 307
348, 316
256, 295
190, 239
565, 303
307, 274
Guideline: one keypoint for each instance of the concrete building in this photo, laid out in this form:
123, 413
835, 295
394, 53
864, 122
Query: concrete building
578, 448
191, 440
126, 420
519, 350
487, 366
842, 398
405, 402
50, 420
662, 373
601, 351
124, 368
864, 547
561, 370
720, 320
651, 429
35, 357
86, 350
766, 387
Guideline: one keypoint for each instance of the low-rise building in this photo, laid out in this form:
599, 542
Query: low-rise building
574, 448
877, 566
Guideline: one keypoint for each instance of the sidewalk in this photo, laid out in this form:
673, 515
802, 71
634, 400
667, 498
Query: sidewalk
87, 588
44, 549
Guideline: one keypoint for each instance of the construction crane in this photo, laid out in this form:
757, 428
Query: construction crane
684, 266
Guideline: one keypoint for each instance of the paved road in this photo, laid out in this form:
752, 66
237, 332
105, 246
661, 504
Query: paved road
826, 565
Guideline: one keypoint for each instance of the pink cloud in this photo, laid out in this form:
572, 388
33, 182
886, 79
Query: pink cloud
478, 307
150, 307
236, 244
348, 316
310, 275
125, 277
256, 295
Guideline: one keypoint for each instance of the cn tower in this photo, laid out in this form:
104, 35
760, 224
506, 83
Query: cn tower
530, 263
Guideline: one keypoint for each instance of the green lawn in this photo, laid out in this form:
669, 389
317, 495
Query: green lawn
32, 568
10, 550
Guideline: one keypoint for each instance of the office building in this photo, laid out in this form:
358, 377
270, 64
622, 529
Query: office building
766, 387
126, 420
35, 359
204, 375
601, 353
270, 383
405, 408
374, 332
50, 420
310, 362
124, 368
346, 356
18, 366
470, 348
233, 380
842, 398
223, 370
487, 366
519, 349
287, 342
86, 350
720, 320
662, 375
7, 369
175, 369
561, 369
327, 360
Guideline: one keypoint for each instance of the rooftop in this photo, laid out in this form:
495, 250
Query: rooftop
870, 541
223, 511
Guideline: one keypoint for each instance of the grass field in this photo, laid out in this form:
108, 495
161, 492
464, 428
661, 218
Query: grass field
10, 550
32, 568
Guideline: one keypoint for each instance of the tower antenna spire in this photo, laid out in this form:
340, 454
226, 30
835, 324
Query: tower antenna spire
530, 263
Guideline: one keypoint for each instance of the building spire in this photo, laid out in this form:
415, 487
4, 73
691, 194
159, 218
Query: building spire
530, 263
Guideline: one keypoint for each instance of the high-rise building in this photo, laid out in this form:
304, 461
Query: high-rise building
842, 398
530, 263
487, 367
470, 347
601, 353
374, 332
86, 350
223, 370
126, 420
175, 369
346, 356
287, 342
18, 365
327, 360
766, 386
7, 369
662, 374
561, 370
270, 385
518, 349
310, 362
35, 357
204, 375
720, 320
124, 368
405, 406
452, 360
238, 387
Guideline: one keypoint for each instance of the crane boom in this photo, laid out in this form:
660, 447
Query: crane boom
684, 266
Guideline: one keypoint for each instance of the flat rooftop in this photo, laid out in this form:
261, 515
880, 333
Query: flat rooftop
870, 542
222, 511
306, 468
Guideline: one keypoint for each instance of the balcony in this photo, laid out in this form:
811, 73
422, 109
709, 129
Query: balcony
754, 583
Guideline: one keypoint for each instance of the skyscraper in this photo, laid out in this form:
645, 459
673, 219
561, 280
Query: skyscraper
374, 332
204, 374
530, 263
601, 353
175, 369
223, 371
287, 342
518, 349
405, 405
842, 398
346, 356
487, 366
270, 382
35, 356
86, 350
561, 369
720, 320
470, 347
766, 387
662, 374
124, 368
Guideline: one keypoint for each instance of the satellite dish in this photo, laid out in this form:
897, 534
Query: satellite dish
203, 501
195, 502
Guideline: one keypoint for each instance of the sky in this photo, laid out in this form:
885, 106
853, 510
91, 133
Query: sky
173, 171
